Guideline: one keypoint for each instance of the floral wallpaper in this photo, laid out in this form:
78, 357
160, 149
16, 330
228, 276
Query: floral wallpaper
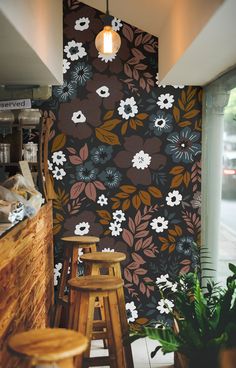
125, 156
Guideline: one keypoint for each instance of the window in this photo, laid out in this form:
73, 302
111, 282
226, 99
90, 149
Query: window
219, 173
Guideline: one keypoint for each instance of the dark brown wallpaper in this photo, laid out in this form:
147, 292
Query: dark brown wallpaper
125, 156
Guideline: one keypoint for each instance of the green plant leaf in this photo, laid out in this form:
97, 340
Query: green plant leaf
200, 308
232, 268
166, 337
153, 353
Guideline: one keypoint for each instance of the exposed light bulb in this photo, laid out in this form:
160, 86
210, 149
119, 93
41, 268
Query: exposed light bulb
108, 41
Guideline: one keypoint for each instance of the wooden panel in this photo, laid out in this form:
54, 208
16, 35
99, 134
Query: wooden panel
26, 279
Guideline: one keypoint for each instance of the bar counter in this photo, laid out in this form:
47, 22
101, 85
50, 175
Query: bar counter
26, 278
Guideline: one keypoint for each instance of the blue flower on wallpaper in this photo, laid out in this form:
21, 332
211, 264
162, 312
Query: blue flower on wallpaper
81, 72
160, 123
195, 261
111, 177
101, 154
86, 172
65, 92
184, 245
183, 146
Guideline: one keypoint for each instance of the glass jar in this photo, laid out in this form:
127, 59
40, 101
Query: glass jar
29, 117
6, 120
5, 152
30, 152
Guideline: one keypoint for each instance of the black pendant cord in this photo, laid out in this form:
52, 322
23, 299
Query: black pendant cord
107, 11
108, 18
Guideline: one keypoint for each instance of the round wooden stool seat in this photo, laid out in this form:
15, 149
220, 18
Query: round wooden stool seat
96, 283
78, 240
48, 345
103, 257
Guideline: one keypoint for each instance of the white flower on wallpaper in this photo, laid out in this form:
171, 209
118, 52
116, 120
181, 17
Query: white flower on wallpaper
180, 86
103, 92
58, 174
165, 306
119, 216
173, 198
78, 117
102, 200
165, 101
50, 166
108, 250
80, 253
141, 160
131, 311
161, 280
58, 158
82, 24
82, 228
157, 81
115, 228
74, 50
128, 108
106, 57
164, 85
65, 65
159, 224
116, 24
57, 273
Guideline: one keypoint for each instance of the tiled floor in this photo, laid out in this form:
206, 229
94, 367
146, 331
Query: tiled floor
141, 349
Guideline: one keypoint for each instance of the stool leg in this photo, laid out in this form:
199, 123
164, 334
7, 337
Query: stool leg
95, 270
74, 263
124, 323
109, 333
62, 285
74, 303
93, 248
116, 328
85, 309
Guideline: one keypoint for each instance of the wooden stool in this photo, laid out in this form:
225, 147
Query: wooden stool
111, 262
70, 259
48, 347
84, 292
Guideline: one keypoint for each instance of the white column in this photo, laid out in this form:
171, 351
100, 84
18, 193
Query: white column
215, 100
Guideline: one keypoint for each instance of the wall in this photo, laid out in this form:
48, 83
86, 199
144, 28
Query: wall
31, 33
185, 22
125, 156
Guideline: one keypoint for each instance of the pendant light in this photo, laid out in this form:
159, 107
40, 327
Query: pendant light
107, 41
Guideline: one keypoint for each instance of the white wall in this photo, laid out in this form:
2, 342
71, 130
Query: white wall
38, 28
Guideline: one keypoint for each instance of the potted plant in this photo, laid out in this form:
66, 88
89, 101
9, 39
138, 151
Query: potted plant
202, 319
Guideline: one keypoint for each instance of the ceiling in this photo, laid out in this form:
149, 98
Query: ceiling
25, 57
196, 38
147, 15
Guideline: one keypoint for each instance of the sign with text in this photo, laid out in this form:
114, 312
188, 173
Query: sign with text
15, 104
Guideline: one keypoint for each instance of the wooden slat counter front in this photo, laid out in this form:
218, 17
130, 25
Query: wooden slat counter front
26, 278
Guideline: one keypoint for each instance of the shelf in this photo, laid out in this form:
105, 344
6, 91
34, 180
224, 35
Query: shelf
17, 163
